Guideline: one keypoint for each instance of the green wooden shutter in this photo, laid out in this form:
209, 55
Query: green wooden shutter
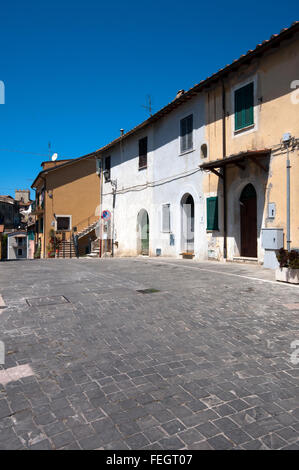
212, 213
244, 107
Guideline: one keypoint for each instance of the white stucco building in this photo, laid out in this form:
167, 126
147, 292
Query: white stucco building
153, 186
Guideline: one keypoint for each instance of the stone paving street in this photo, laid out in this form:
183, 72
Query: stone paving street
91, 363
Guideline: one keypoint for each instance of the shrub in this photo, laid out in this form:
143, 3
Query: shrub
282, 258
294, 259
288, 259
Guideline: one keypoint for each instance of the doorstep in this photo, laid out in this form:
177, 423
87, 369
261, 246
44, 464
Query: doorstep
245, 259
187, 254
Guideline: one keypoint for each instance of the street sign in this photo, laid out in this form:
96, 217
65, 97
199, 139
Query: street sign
106, 215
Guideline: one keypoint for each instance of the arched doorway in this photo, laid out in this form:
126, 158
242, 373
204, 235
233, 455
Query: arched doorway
248, 222
143, 230
187, 223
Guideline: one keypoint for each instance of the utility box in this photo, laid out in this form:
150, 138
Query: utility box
272, 240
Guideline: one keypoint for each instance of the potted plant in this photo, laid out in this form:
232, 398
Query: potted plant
288, 270
52, 246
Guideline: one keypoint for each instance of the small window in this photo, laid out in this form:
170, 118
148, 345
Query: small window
143, 153
107, 169
187, 133
166, 218
244, 107
41, 225
212, 213
20, 252
204, 151
20, 241
63, 223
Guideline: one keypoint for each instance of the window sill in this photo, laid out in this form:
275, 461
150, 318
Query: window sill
244, 129
208, 230
142, 168
186, 152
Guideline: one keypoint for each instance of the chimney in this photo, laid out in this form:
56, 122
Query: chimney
179, 94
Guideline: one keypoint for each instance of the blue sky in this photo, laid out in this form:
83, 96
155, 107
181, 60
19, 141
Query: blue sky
76, 72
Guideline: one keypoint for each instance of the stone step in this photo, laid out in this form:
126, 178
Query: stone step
245, 259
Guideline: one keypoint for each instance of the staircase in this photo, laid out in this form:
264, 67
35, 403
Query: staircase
87, 230
66, 249
95, 253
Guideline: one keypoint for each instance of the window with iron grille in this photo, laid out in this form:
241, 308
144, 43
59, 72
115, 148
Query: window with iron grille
212, 213
166, 218
107, 168
143, 153
186, 133
244, 115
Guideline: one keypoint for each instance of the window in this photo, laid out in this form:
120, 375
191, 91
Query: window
186, 133
107, 169
166, 218
204, 151
20, 252
212, 213
244, 107
20, 241
143, 153
63, 223
41, 225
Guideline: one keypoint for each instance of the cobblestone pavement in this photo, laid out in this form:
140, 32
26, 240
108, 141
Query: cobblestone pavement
91, 363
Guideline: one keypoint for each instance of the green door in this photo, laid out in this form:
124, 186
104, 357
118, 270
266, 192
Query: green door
145, 234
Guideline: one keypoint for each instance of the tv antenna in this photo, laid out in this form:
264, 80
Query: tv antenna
148, 106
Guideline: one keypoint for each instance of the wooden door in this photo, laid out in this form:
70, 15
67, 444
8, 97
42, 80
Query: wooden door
248, 222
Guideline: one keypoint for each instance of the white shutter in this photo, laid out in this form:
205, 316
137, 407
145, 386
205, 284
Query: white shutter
166, 218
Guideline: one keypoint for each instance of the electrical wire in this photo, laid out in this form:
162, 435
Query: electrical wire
141, 187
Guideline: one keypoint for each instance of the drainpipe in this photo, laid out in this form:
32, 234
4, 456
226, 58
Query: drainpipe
224, 173
101, 204
288, 166
44, 214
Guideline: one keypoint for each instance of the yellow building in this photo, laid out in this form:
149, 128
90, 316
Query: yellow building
67, 206
252, 123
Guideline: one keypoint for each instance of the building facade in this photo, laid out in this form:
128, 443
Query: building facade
252, 116
153, 186
17, 245
239, 127
67, 202
212, 175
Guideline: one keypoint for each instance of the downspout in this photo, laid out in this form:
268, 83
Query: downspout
288, 167
224, 172
44, 215
101, 205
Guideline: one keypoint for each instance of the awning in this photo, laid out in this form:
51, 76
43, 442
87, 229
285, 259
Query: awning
239, 160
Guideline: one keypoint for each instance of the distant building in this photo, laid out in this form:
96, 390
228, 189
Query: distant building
17, 245
9, 213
